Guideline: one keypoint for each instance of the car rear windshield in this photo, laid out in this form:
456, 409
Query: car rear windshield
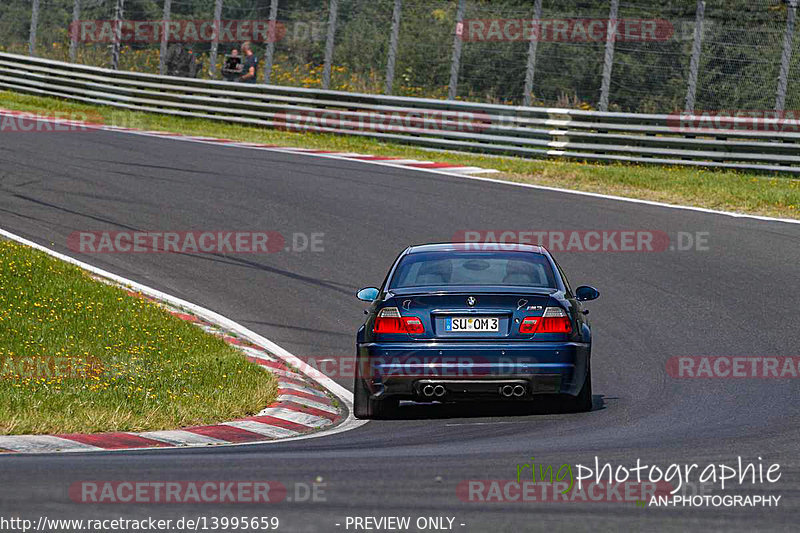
448, 268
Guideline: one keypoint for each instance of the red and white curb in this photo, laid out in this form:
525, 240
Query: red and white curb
309, 404
391, 161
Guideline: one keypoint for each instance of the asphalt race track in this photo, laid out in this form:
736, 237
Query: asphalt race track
737, 298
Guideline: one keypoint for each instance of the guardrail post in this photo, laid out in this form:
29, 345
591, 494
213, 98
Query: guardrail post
455, 63
162, 57
34, 25
694, 64
608, 58
212, 55
530, 68
395, 36
272, 36
333, 7
117, 34
786, 56
74, 36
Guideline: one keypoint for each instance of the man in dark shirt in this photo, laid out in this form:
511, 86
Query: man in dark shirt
249, 67
232, 66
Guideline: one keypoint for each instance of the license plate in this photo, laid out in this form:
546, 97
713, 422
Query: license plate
476, 324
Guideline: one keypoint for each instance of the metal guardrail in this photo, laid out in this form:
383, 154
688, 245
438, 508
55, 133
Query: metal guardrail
444, 124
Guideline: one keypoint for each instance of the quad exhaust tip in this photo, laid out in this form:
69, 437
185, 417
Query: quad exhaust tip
434, 390
507, 391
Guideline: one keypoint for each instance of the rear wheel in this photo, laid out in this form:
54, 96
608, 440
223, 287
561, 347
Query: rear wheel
366, 407
583, 401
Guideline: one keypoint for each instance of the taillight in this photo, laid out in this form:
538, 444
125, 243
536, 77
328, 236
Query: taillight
414, 325
530, 324
390, 321
554, 320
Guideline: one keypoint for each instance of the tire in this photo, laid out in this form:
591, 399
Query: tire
365, 407
582, 403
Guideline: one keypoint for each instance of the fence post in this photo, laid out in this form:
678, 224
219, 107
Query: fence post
455, 62
212, 56
272, 36
534, 44
608, 59
694, 64
333, 7
34, 25
162, 58
786, 56
398, 6
74, 34
117, 34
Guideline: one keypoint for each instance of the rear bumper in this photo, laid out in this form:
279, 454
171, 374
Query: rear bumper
472, 370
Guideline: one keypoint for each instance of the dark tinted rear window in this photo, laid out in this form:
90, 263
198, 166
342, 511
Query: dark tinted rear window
473, 268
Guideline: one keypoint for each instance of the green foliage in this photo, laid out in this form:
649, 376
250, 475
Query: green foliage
739, 63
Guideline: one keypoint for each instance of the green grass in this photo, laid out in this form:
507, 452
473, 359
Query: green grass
756, 193
79, 355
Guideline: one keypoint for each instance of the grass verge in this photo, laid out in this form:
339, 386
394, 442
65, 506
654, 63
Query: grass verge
78, 355
755, 193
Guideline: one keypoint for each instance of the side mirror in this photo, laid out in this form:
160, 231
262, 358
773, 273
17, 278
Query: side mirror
368, 294
584, 293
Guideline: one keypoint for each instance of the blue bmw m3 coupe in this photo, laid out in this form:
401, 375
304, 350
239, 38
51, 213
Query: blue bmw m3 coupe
469, 321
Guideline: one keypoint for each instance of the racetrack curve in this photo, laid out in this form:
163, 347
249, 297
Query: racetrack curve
739, 297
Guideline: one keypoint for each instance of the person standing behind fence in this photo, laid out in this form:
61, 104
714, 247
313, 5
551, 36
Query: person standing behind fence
232, 67
250, 66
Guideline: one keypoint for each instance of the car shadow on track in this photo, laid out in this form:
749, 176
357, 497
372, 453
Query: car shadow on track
547, 406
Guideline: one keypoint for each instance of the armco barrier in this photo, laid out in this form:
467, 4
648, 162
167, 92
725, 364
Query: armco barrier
445, 124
